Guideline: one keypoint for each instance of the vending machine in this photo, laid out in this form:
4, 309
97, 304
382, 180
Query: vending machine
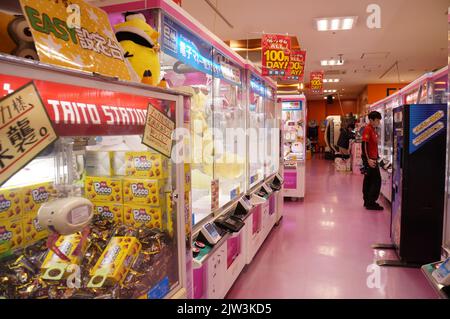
419, 143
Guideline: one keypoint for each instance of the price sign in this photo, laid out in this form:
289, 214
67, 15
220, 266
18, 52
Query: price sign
316, 82
296, 65
158, 131
275, 54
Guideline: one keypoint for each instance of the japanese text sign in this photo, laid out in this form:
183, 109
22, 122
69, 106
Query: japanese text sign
158, 131
316, 79
89, 111
275, 54
25, 130
296, 65
90, 46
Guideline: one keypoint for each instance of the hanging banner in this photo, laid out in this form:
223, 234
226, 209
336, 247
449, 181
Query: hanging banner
88, 45
25, 130
316, 80
276, 50
296, 66
158, 131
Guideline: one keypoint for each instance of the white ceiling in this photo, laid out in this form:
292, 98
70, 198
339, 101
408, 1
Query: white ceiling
413, 32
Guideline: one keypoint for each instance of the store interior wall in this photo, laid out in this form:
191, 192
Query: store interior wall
376, 92
319, 109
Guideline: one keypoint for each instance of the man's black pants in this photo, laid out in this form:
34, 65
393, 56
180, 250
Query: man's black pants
371, 185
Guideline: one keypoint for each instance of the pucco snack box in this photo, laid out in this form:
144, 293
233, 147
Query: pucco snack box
142, 191
35, 195
110, 211
55, 268
115, 262
168, 220
105, 189
11, 235
33, 231
10, 203
146, 165
138, 215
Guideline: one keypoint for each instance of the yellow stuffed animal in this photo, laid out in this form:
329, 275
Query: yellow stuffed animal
140, 44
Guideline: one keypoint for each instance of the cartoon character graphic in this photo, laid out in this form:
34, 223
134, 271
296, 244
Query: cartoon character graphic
140, 45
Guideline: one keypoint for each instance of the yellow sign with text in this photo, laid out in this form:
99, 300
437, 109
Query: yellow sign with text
25, 130
76, 35
158, 131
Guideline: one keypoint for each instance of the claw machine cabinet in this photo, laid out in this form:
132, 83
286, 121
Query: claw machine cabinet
256, 145
385, 107
272, 155
440, 95
294, 148
195, 61
135, 191
419, 141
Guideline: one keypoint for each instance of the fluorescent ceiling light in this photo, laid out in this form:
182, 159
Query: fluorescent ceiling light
335, 23
347, 24
331, 62
322, 24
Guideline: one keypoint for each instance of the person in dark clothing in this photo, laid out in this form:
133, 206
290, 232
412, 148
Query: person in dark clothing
372, 176
344, 139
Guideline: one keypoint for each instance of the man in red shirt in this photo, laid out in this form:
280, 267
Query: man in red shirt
372, 177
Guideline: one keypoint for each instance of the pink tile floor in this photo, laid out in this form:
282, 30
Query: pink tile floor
322, 247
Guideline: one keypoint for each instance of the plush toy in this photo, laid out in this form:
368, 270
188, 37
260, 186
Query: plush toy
140, 44
16, 37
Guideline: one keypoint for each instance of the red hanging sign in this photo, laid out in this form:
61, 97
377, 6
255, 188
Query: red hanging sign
316, 80
83, 111
276, 50
296, 66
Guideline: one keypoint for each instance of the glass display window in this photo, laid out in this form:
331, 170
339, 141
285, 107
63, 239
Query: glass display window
440, 89
256, 128
98, 157
229, 129
272, 126
187, 65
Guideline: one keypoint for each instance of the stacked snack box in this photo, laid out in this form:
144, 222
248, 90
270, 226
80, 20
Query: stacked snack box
106, 193
19, 206
144, 199
137, 197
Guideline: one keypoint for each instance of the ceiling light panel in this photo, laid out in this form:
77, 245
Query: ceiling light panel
336, 23
331, 80
331, 62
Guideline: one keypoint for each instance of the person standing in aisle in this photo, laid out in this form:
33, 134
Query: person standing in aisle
372, 176
344, 139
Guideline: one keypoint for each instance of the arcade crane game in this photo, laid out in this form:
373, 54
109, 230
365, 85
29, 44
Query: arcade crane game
419, 141
438, 272
385, 107
97, 174
294, 148
196, 61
